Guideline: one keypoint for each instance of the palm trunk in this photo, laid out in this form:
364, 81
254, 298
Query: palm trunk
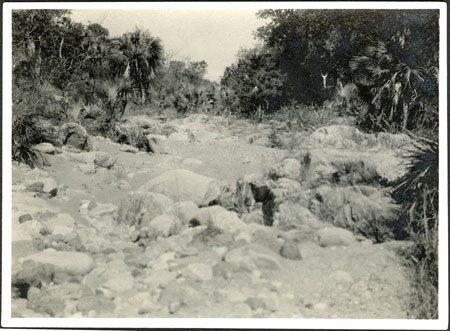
142, 94
405, 116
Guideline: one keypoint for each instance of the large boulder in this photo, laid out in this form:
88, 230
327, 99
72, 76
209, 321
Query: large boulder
291, 215
362, 209
75, 135
181, 184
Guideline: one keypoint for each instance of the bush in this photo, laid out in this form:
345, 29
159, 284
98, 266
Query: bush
26, 132
308, 118
418, 191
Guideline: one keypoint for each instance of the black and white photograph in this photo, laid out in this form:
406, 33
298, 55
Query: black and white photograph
249, 164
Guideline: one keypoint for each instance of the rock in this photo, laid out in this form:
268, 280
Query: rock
129, 149
137, 204
123, 185
103, 210
320, 306
75, 135
114, 276
26, 231
86, 235
120, 283
254, 217
374, 216
333, 236
154, 141
174, 307
35, 187
288, 168
290, 251
25, 218
186, 211
255, 303
99, 304
87, 168
292, 215
162, 225
267, 239
178, 136
32, 274
104, 160
61, 220
45, 148
181, 184
199, 271
220, 218
262, 141
50, 186
252, 257
72, 263
244, 236
86, 206
44, 302
70, 149
228, 222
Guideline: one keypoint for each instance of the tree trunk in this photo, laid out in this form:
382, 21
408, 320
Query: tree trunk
324, 79
405, 116
60, 47
142, 94
38, 60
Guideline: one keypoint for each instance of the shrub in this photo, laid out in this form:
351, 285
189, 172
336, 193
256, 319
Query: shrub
113, 96
27, 132
418, 191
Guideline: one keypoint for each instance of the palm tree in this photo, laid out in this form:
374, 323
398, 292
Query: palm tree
393, 76
136, 55
113, 95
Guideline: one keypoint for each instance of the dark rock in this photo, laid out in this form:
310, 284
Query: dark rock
35, 187
255, 303
75, 135
24, 218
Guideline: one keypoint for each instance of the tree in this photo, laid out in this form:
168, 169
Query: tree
255, 81
397, 78
313, 47
136, 55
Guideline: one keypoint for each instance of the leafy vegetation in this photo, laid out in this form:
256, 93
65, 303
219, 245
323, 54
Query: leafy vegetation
26, 132
418, 192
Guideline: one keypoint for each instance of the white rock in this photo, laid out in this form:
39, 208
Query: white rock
129, 149
45, 148
181, 184
163, 225
178, 136
200, 271
186, 210
73, 263
333, 236
87, 168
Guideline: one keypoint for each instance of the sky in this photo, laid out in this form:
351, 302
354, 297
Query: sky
211, 35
